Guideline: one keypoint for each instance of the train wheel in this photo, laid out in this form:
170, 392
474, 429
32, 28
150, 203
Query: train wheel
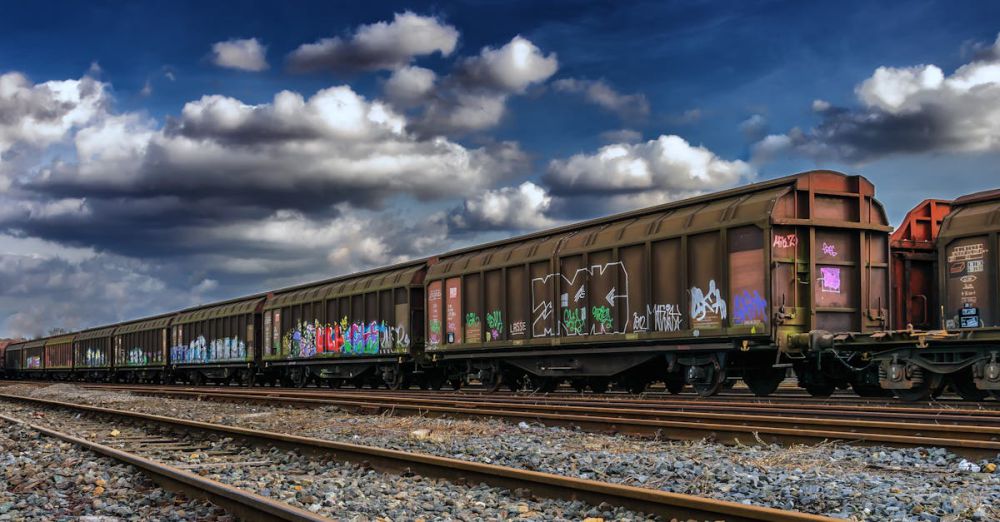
599, 384
926, 389
965, 387
456, 384
707, 379
763, 381
395, 379
820, 390
869, 390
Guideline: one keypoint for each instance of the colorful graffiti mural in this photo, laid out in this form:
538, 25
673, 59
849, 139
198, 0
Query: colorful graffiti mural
749, 308
494, 321
201, 351
33, 362
314, 339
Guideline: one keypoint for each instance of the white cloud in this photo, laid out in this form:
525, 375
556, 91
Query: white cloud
41, 114
754, 127
510, 208
243, 54
668, 164
382, 45
600, 93
475, 96
907, 110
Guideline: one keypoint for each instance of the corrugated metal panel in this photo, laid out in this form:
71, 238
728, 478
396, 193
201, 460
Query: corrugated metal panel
139, 326
94, 334
33, 344
13, 347
64, 339
227, 310
379, 280
973, 214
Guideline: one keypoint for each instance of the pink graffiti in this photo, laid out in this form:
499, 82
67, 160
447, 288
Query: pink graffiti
786, 241
829, 279
830, 250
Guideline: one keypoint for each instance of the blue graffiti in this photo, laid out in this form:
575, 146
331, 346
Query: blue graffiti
748, 309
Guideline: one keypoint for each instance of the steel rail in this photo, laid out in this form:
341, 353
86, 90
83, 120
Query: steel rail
650, 501
244, 504
972, 441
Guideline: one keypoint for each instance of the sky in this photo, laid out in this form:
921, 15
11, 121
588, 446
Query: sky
161, 155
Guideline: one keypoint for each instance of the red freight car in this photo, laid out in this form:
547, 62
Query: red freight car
914, 266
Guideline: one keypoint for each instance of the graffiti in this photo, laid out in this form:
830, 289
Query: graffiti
436, 327
830, 250
639, 323
136, 357
708, 307
666, 317
494, 320
471, 319
314, 339
829, 279
518, 328
95, 357
33, 362
785, 241
749, 308
574, 320
608, 276
200, 350
602, 316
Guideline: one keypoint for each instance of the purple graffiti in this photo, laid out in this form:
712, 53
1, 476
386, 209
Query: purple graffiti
829, 279
749, 308
830, 250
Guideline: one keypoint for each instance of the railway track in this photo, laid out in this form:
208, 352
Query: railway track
156, 436
973, 433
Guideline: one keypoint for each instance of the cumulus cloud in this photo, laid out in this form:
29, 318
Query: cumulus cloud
37, 115
243, 54
382, 45
598, 92
906, 110
667, 164
523, 207
294, 152
474, 97
754, 128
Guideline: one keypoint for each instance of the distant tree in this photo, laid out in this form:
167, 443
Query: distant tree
57, 331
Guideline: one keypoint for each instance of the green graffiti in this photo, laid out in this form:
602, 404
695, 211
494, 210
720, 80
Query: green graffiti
573, 320
494, 320
602, 315
471, 319
436, 326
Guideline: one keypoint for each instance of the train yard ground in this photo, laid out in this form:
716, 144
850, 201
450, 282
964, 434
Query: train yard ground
842, 476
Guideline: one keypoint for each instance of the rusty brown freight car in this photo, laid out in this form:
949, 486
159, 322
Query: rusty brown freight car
140, 350
914, 266
92, 353
33, 357
698, 291
217, 342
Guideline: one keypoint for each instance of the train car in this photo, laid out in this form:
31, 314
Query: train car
736, 284
92, 353
33, 359
13, 361
217, 342
964, 351
364, 328
140, 350
3, 357
912, 248
59, 357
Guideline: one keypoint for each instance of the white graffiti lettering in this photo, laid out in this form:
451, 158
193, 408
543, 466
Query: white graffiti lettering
518, 328
785, 241
574, 318
705, 303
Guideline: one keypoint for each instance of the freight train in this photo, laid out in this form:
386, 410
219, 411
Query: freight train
797, 273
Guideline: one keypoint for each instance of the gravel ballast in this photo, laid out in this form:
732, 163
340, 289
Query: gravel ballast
335, 490
47, 479
835, 479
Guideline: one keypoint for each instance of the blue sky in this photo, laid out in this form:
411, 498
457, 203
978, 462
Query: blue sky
148, 161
